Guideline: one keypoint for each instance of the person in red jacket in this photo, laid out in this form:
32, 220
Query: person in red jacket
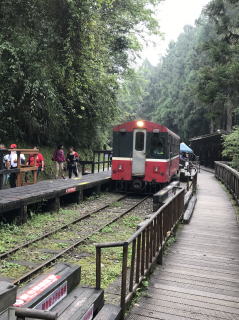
40, 164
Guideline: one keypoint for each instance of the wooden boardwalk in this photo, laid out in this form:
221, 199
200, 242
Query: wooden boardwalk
199, 278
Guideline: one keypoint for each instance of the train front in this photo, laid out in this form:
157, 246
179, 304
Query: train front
143, 156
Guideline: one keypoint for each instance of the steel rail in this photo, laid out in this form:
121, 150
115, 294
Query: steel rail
74, 245
46, 235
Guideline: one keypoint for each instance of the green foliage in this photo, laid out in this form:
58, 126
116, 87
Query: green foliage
194, 88
131, 222
60, 61
133, 92
231, 147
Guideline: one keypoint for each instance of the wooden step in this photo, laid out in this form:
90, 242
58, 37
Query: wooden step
8, 294
109, 312
80, 304
46, 290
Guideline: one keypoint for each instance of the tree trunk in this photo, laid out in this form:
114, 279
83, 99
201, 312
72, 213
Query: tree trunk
212, 126
229, 108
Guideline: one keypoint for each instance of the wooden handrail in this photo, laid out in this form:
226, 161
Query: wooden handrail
147, 245
23, 313
19, 170
229, 177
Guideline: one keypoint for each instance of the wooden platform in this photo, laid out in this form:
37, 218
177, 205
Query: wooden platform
18, 198
199, 278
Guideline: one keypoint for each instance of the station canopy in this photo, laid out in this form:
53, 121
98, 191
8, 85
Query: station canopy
185, 148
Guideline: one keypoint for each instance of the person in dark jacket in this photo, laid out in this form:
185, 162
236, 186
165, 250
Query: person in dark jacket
72, 158
59, 158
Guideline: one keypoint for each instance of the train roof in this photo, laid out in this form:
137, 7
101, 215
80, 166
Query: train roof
150, 126
208, 136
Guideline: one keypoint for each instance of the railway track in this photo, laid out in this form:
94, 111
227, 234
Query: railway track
36, 254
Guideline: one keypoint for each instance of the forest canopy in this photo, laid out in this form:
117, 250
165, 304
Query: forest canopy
194, 89
60, 63
66, 70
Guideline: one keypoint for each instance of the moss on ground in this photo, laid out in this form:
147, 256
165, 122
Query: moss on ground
83, 255
12, 270
40, 223
111, 257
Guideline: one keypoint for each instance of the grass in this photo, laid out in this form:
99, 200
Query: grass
13, 235
111, 257
12, 270
115, 204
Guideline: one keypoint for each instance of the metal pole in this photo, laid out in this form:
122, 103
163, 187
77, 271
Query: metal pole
98, 268
104, 161
124, 278
131, 282
98, 161
93, 164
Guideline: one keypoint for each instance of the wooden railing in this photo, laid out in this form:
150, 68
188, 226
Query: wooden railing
229, 177
25, 313
146, 247
193, 183
101, 161
20, 168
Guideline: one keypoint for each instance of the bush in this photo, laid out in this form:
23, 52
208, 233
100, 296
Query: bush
231, 147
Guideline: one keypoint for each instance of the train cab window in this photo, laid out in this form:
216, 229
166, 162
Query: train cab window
157, 149
139, 141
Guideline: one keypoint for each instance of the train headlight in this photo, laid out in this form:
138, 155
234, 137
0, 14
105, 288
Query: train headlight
156, 169
120, 167
140, 124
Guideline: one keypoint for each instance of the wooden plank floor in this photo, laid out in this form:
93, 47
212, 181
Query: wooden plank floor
13, 198
199, 278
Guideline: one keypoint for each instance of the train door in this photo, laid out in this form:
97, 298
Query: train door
139, 152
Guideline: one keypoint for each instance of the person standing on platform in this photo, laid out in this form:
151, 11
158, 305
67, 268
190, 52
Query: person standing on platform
78, 169
59, 158
40, 164
72, 158
11, 162
5, 176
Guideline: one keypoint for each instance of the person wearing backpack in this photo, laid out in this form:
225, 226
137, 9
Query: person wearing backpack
72, 158
59, 159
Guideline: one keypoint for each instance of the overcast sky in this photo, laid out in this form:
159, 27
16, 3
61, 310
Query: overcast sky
173, 15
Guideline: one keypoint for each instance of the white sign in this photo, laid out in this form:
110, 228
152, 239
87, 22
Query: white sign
53, 298
89, 314
32, 292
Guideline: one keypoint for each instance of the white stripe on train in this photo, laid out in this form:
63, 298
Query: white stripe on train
147, 160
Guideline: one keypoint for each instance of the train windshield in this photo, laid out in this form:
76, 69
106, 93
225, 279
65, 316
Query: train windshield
139, 141
157, 146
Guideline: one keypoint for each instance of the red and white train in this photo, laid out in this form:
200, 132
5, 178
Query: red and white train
145, 156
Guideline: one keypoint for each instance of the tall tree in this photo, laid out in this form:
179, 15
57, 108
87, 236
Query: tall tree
219, 80
60, 61
194, 89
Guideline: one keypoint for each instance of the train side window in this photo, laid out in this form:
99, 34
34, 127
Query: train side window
157, 146
139, 141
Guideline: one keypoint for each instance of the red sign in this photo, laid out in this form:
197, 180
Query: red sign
32, 292
53, 298
71, 190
